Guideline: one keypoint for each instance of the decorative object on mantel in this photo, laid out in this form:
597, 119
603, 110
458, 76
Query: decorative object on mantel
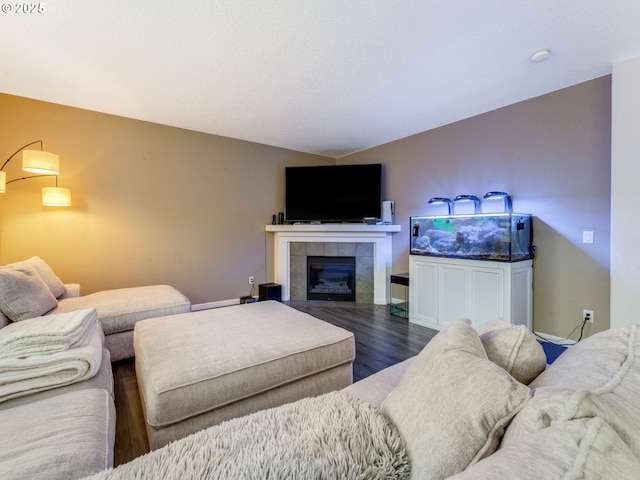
45, 164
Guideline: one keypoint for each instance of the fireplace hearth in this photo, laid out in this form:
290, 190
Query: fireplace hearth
331, 278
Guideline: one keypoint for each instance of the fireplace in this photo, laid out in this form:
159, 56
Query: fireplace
331, 278
293, 243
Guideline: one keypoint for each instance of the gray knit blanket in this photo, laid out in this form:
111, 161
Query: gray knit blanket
333, 436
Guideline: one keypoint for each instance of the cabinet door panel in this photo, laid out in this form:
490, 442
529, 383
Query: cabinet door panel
522, 293
452, 294
422, 296
487, 295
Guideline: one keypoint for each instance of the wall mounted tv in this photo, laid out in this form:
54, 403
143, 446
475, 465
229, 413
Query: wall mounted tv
333, 193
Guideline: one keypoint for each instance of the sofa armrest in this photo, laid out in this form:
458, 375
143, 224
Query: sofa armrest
73, 290
375, 388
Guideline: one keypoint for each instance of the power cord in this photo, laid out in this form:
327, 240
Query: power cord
580, 326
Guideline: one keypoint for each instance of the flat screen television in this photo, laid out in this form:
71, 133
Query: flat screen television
333, 193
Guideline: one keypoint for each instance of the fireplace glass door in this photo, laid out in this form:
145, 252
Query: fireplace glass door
331, 278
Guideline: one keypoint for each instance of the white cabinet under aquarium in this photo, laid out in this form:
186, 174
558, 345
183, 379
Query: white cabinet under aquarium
444, 289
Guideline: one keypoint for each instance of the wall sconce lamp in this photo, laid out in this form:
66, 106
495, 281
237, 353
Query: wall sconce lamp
443, 200
469, 198
508, 206
45, 164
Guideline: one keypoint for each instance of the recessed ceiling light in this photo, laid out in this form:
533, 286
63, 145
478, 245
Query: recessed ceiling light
540, 55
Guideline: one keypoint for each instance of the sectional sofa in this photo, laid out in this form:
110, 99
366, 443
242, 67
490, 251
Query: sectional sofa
472, 405
461, 409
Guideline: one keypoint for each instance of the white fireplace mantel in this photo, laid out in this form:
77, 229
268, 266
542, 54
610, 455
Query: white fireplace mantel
379, 235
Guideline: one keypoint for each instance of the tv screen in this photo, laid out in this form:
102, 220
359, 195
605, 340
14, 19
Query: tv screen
333, 193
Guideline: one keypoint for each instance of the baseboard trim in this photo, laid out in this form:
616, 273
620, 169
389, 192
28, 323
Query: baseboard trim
554, 339
218, 304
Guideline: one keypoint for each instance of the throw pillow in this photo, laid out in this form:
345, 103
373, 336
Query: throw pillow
583, 448
46, 273
514, 348
453, 404
597, 377
23, 294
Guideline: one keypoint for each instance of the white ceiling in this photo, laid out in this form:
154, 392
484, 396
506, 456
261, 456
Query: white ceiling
323, 76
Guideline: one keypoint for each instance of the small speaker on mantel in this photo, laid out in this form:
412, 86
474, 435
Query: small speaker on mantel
388, 212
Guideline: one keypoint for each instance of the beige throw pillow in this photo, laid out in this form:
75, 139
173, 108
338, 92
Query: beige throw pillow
578, 449
597, 377
514, 348
453, 404
46, 273
23, 294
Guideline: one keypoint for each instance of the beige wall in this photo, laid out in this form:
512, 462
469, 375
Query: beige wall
154, 204
151, 204
552, 154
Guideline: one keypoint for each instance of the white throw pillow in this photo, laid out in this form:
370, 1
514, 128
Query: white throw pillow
453, 404
46, 273
514, 348
23, 293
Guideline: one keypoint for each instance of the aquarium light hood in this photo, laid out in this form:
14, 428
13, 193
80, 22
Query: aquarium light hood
508, 206
469, 198
443, 200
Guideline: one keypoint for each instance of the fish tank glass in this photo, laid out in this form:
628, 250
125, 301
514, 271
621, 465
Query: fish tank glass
504, 237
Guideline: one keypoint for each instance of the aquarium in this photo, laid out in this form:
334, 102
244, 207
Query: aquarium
504, 237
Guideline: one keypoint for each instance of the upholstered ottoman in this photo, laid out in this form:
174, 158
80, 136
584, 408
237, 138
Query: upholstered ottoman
198, 369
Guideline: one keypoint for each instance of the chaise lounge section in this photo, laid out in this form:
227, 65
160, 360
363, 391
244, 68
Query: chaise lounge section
31, 288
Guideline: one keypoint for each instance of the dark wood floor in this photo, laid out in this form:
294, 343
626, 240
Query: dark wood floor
381, 340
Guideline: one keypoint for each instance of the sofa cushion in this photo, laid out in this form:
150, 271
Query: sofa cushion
514, 348
453, 403
583, 448
597, 377
23, 293
119, 309
46, 273
67, 436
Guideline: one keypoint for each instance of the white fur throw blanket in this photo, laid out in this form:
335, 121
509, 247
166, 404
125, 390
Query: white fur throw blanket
333, 436
48, 352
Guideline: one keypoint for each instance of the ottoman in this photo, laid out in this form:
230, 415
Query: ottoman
198, 369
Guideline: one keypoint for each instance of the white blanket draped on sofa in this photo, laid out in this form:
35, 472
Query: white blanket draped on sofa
48, 352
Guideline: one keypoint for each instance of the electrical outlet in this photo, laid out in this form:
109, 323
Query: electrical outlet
252, 280
587, 314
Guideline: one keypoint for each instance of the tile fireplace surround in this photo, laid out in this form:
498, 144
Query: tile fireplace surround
350, 233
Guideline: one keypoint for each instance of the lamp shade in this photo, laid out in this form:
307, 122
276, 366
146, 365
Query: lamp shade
3, 181
38, 161
56, 197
